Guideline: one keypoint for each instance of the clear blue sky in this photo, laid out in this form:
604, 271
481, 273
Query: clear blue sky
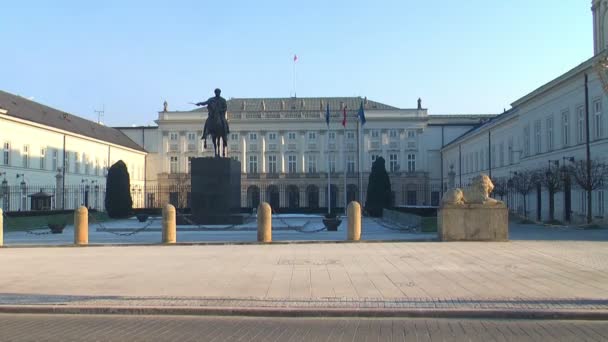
467, 56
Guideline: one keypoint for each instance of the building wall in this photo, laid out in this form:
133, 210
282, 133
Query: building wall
36, 155
542, 127
266, 143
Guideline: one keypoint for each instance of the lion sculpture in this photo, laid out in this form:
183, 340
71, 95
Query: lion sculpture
477, 193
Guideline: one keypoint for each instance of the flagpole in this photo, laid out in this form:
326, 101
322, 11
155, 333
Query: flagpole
295, 59
345, 167
359, 160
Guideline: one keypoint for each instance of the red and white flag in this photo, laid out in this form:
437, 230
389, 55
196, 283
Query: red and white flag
344, 118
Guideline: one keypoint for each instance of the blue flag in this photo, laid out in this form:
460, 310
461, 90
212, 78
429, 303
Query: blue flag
361, 114
327, 115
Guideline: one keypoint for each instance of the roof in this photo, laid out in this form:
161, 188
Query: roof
476, 129
25, 109
299, 103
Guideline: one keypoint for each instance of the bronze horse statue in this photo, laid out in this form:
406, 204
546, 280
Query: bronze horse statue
216, 124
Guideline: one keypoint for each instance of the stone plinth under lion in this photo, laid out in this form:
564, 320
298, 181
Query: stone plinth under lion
469, 214
216, 191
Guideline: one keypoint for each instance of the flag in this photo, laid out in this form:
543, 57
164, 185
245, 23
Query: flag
344, 119
361, 115
295, 58
327, 115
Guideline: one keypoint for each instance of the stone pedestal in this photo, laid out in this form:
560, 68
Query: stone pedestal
473, 222
216, 191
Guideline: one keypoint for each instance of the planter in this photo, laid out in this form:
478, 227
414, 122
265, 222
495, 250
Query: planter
56, 228
142, 217
332, 224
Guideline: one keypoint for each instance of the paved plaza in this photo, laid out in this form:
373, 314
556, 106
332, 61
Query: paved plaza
518, 275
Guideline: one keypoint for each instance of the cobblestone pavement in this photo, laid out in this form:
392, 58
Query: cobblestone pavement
191, 328
518, 275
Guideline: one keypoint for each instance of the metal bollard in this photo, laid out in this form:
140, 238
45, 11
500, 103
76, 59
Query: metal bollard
264, 222
1, 228
354, 221
169, 234
81, 226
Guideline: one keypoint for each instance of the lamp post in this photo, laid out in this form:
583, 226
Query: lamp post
567, 187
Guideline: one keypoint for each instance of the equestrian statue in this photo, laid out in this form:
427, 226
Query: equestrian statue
216, 124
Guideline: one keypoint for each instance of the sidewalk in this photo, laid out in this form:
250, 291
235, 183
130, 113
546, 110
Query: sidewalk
523, 279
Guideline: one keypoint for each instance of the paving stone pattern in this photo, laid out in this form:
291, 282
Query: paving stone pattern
189, 328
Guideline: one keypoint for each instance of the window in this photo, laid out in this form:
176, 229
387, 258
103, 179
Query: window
272, 136
537, 137
375, 134
25, 159
350, 163
580, 125
392, 133
597, 119
6, 154
54, 160
332, 135
173, 136
253, 136
234, 136
173, 164
565, 128
350, 135
291, 136
550, 133
312, 163
411, 162
253, 163
374, 157
76, 162
501, 154
312, 136
292, 164
272, 164
393, 162
85, 162
42, 158
96, 166
332, 163
583, 202
411, 134
510, 150
526, 140
191, 136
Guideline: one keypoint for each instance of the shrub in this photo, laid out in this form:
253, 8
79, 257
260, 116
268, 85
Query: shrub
118, 196
378, 189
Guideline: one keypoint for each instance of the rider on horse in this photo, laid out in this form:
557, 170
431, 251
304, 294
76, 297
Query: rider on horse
216, 107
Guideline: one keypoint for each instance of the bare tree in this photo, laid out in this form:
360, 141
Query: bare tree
524, 182
552, 180
500, 187
590, 179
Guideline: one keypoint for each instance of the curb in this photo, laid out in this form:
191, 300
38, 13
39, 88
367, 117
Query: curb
589, 315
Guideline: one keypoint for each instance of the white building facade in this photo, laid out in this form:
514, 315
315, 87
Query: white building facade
38, 141
286, 149
545, 130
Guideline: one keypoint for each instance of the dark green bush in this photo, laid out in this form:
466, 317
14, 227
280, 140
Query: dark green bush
118, 195
378, 189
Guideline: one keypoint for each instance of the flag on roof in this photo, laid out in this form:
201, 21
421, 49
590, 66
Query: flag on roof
361, 114
327, 115
344, 118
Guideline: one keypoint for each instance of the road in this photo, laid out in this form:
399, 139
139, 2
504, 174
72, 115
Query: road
26, 327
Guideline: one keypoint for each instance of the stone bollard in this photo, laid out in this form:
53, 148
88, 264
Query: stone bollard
354, 221
264, 222
169, 234
81, 226
1, 228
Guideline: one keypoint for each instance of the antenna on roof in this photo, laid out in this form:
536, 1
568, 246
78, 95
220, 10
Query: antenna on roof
100, 113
